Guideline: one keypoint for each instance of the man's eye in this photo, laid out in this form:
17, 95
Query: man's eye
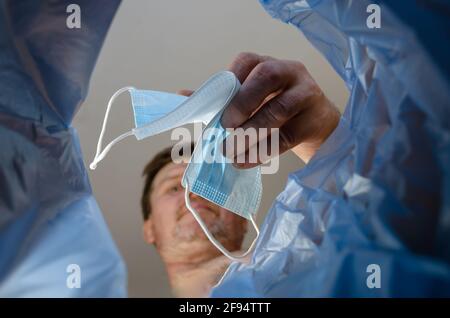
174, 189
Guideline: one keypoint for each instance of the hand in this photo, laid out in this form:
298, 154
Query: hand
280, 94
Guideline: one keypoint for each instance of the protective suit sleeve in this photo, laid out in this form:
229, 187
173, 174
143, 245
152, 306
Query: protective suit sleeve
369, 215
53, 239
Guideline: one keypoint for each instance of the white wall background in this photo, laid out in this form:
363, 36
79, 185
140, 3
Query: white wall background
168, 45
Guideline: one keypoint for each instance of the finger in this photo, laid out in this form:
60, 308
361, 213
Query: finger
305, 128
265, 79
244, 63
275, 112
185, 92
272, 114
278, 142
260, 153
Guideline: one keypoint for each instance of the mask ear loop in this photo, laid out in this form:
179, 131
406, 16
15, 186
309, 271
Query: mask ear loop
100, 154
213, 240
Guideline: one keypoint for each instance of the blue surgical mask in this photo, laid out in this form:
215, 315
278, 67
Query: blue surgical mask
215, 179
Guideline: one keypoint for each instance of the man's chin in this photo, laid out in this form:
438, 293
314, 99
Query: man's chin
191, 231
192, 245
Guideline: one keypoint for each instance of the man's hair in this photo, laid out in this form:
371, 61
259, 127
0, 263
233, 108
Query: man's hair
161, 159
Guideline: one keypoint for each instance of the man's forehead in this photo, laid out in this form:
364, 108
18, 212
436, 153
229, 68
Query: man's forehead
170, 170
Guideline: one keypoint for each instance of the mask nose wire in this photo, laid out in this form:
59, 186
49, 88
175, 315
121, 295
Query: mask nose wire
213, 240
100, 154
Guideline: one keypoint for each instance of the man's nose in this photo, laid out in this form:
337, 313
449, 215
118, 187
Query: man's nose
194, 196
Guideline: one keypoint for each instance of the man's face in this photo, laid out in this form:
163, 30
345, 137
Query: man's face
173, 228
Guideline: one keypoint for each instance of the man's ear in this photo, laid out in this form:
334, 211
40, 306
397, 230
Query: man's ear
149, 235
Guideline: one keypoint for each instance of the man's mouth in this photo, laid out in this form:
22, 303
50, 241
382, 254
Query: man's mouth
200, 207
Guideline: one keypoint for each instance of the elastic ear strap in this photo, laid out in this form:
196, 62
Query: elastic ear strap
213, 240
99, 155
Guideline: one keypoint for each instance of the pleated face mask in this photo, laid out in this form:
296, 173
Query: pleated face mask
209, 174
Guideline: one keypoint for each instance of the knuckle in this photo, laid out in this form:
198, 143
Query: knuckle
300, 66
312, 91
307, 89
267, 72
281, 108
245, 58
